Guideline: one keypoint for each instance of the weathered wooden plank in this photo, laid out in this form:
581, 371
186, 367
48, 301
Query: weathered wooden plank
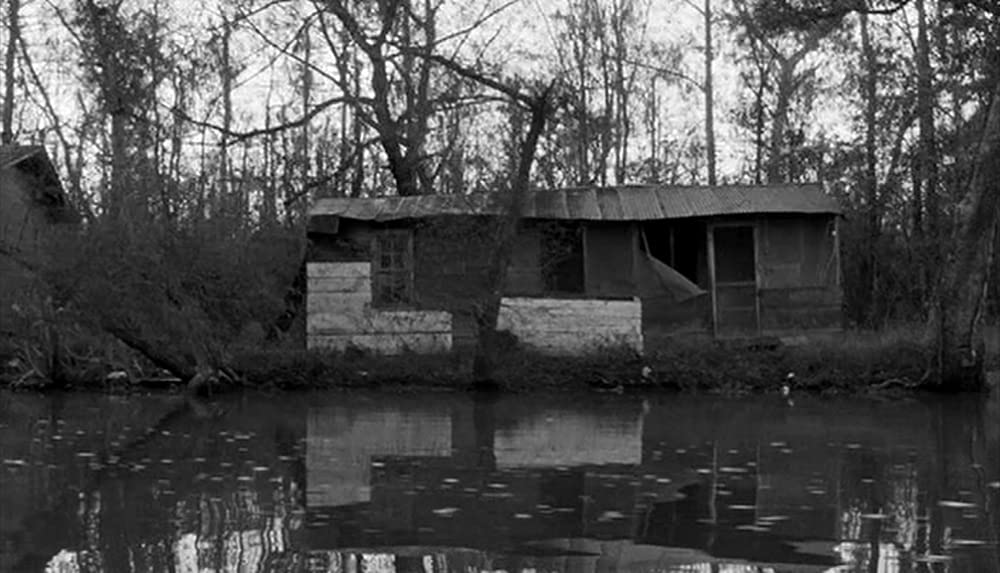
339, 284
337, 302
373, 321
574, 307
574, 343
803, 296
515, 322
567, 326
780, 276
338, 269
568, 302
422, 343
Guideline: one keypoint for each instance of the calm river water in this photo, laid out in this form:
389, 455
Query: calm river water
357, 483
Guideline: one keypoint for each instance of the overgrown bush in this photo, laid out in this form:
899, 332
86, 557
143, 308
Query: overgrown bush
185, 297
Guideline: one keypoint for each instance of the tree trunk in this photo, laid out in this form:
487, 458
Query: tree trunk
13, 35
503, 243
959, 336
870, 176
304, 153
709, 96
227, 117
758, 128
927, 158
774, 168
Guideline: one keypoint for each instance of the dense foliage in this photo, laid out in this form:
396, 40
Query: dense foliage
192, 140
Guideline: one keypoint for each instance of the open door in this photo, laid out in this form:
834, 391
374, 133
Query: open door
732, 250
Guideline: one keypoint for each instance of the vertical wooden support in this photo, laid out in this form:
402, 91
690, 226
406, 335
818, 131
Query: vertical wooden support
756, 274
635, 257
673, 255
710, 249
411, 262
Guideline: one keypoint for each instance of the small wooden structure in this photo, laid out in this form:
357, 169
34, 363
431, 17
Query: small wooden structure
32, 206
631, 265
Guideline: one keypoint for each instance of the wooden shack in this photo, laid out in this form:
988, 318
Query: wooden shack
633, 265
33, 207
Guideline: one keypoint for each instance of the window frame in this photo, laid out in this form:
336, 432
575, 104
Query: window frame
546, 265
399, 271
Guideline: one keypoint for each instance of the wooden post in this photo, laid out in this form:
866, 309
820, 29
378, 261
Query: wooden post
635, 257
710, 249
673, 254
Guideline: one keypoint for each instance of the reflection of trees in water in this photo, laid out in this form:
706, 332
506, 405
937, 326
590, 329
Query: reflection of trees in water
243, 529
929, 505
868, 476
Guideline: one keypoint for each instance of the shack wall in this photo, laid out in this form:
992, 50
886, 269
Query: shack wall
608, 265
571, 326
799, 269
451, 257
340, 315
796, 267
451, 261
22, 224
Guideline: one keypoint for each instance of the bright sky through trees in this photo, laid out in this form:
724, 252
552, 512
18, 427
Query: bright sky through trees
520, 37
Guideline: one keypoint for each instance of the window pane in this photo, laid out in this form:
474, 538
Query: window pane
734, 254
393, 264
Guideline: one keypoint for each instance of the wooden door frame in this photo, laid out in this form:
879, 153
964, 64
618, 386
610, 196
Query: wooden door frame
754, 225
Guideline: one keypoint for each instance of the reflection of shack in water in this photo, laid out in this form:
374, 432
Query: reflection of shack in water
689, 482
343, 441
544, 488
473, 473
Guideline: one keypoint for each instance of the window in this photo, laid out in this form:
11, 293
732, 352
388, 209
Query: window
392, 268
734, 254
562, 257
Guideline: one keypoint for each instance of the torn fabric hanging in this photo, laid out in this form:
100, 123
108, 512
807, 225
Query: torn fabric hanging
664, 277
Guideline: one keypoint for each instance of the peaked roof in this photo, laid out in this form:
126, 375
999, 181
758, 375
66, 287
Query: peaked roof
622, 203
35, 160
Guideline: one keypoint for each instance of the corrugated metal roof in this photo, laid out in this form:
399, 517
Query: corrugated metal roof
625, 203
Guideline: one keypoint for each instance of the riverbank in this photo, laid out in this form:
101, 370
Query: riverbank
850, 363
829, 367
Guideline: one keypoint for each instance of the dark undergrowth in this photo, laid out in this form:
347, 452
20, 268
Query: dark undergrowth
882, 363
850, 364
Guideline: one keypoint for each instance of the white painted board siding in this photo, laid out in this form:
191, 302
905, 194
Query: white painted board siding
339, 270
340, 315
557, 437
572, 326
404, 321
341, 442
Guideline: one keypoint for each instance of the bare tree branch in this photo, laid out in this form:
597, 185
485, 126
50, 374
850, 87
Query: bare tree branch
676, 74
286, 48
478, 77
242, 135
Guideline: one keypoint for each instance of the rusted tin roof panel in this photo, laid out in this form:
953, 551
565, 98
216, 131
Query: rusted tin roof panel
640, 205
584, 205
547, 206
609, 204
627, 203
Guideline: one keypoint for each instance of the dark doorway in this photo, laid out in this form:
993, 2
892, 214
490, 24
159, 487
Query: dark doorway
735, 280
